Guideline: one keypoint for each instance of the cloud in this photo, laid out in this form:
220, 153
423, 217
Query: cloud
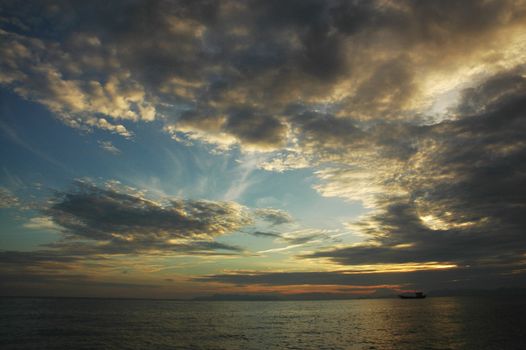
274, 216
457, 198
88, 250
109, 147
434, 279
115, 219
41, 223
283, 161
56, 273
293, 239
282, 249
258, 130
231, 73
101, 225
124, 221
265, 234
28, 258
42, 265
303, 237
45, 72
7, 199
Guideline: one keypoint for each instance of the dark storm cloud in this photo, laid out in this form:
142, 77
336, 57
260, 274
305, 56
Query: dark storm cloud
436, 20
386, 90
257, 130
325, 131
353, 16
404, 238
238, 65
460, 197
491, 95
128, 223
96, 213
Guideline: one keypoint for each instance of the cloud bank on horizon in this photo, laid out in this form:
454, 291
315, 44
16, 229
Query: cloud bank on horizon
414, 109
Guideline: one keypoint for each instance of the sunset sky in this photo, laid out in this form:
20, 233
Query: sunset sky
173, 149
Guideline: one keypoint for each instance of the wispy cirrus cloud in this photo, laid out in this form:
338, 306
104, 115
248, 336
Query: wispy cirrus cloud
109, 147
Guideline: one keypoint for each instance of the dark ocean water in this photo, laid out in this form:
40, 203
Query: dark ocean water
432, 323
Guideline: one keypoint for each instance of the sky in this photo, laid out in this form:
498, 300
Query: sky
177, 149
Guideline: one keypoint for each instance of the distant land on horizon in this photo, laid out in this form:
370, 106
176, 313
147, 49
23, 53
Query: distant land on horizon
381, 294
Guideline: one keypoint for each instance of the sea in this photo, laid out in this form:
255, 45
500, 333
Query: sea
431, 323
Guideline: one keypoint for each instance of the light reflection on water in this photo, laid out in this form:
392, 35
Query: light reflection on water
432, 323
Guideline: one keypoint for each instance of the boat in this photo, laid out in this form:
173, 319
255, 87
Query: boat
413, 295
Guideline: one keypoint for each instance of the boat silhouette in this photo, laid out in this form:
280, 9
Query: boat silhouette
413, 295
